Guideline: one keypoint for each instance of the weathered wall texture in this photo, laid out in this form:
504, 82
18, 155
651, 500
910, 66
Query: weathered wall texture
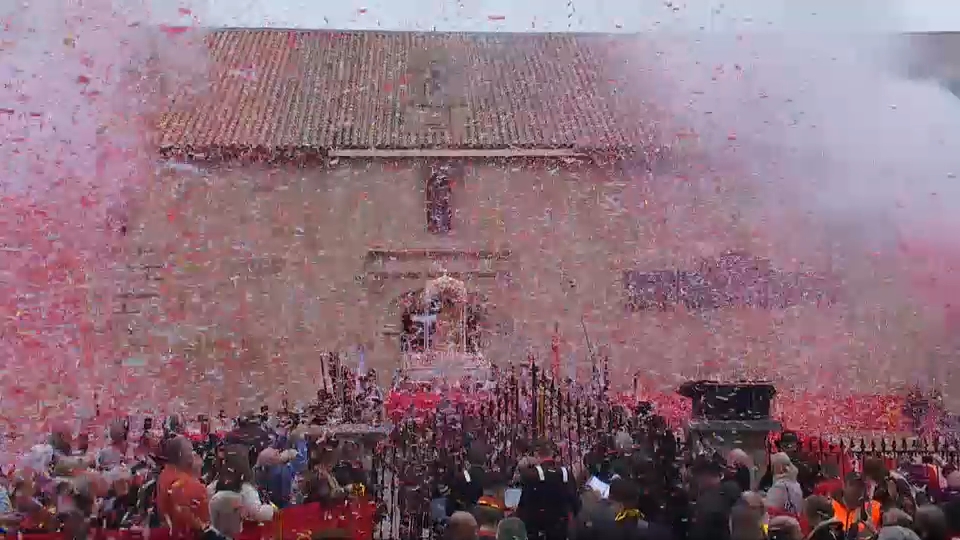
265, 270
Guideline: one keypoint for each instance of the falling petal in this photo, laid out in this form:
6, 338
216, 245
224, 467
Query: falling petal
172, 30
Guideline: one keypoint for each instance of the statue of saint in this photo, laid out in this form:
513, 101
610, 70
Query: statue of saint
448, 335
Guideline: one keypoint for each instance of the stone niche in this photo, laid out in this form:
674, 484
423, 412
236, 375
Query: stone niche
390, 274
731, 415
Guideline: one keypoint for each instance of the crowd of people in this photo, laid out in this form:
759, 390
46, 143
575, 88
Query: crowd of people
196, 484
464, 476
629, 492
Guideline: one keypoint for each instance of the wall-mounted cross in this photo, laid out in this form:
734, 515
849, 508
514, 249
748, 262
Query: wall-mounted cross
427, 321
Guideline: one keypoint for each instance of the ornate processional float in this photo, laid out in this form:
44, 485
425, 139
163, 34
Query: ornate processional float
444, 344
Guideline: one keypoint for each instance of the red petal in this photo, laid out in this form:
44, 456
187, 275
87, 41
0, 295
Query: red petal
172, 30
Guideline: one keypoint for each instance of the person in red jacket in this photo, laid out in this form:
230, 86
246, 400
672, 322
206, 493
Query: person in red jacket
181, 497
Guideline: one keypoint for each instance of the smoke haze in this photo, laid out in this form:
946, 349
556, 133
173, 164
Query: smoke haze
840, 163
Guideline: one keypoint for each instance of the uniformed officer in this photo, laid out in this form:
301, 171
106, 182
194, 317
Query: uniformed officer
466, 485
549, 496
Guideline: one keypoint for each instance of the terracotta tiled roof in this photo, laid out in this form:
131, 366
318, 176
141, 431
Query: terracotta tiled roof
291, 90
935, 55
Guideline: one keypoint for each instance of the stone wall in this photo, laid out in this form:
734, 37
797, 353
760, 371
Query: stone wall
266, 268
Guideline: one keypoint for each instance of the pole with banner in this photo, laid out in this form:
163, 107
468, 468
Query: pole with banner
361, 367
605, 373
555, 352
535, 384
324, 363
594, 372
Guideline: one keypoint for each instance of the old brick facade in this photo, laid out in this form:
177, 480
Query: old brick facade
266, 268
258, 270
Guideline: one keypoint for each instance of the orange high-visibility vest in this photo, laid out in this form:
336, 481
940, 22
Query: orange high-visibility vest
848, 517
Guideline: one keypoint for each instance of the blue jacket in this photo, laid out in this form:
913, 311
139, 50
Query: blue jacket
5, 505
277, 481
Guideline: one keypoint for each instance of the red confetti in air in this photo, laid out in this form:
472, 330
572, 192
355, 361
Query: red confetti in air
496, 17
184, 11
362, 11
83, 79
172, 30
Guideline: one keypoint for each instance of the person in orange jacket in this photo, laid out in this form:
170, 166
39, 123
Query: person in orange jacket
853, 509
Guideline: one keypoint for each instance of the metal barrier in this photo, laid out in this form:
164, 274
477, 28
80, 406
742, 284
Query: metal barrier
523, 407
847, 453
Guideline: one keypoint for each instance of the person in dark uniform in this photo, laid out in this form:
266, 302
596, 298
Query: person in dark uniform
467, 485
549, 496
713, 500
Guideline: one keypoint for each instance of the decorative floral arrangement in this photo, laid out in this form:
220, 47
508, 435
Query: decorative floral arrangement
447, 289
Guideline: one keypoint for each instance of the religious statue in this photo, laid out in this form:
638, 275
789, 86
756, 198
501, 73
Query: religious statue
449, 328
439, 212
441, 333
447, 299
